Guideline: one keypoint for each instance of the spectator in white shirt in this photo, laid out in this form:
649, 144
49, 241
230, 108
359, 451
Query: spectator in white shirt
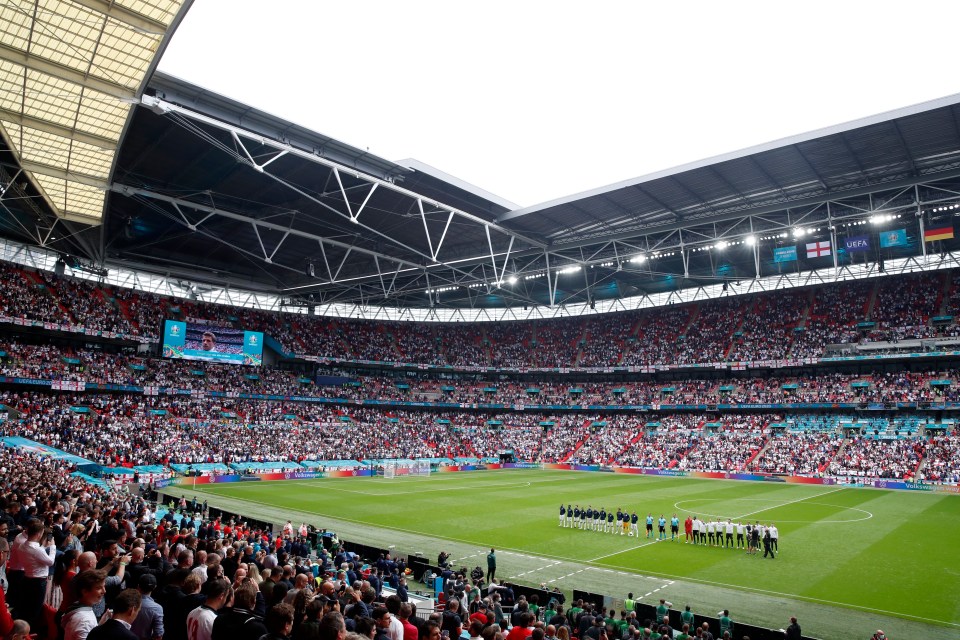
35, 562
79, 619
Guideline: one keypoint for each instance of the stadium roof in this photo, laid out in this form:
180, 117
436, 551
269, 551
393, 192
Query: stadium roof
210, 190
70, 71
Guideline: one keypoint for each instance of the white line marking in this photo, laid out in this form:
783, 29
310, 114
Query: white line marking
819, 495
616, 553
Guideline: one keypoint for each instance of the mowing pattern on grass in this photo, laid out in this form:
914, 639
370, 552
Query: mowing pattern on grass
876, 552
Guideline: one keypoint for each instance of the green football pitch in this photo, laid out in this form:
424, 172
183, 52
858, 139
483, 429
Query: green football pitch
851, 560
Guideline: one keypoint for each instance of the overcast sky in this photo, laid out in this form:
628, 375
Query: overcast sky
533, 100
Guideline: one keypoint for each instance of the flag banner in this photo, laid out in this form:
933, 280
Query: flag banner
941, 233
785, 254
893, 238
857, 243
818, 249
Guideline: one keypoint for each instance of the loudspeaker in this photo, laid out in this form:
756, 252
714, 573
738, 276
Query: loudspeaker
59, 267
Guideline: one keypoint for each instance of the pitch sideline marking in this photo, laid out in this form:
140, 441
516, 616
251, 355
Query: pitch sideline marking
677, 578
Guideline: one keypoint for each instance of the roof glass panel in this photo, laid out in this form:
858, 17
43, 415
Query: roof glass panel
159, 10
90, 43
72, 198
11, 86
44, 148
102, 115
66, 34
124, 54
51, 99
90, 161
15, 19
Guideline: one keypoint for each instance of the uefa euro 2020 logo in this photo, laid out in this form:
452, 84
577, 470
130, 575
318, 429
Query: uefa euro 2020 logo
253, 341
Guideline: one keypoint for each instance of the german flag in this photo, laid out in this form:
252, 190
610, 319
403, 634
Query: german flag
943, 233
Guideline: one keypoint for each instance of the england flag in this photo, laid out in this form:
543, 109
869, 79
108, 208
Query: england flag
818, 249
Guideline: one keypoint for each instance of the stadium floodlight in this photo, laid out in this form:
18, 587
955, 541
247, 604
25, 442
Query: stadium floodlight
720, 246
751, 240
639, 258
799, 232
512, 280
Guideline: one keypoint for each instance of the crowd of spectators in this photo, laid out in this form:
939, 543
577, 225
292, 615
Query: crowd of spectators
802, 454
100, 367
942, 459
125, 430
767, 331
867, 458
780, 325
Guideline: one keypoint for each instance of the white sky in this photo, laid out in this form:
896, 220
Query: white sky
533, 100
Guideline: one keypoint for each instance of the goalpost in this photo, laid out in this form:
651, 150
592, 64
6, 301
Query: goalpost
414, 468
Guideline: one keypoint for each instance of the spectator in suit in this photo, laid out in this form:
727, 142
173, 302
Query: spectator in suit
126, 608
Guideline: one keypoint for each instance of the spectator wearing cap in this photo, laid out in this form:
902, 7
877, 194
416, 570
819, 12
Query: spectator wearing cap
148, 624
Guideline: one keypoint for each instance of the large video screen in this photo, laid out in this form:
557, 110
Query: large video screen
195, 341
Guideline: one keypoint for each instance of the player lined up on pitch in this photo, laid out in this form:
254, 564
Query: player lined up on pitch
621, 522
717, 533
713, 533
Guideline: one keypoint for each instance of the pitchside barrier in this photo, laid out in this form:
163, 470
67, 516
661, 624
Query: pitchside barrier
649, 612
183, 482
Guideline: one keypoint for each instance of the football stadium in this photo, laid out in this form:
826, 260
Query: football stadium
258, 382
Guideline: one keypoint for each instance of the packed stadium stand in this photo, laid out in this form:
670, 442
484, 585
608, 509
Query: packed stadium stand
119, 405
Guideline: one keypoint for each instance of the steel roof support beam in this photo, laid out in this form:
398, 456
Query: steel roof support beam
135, 191
163, 106
764, 210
